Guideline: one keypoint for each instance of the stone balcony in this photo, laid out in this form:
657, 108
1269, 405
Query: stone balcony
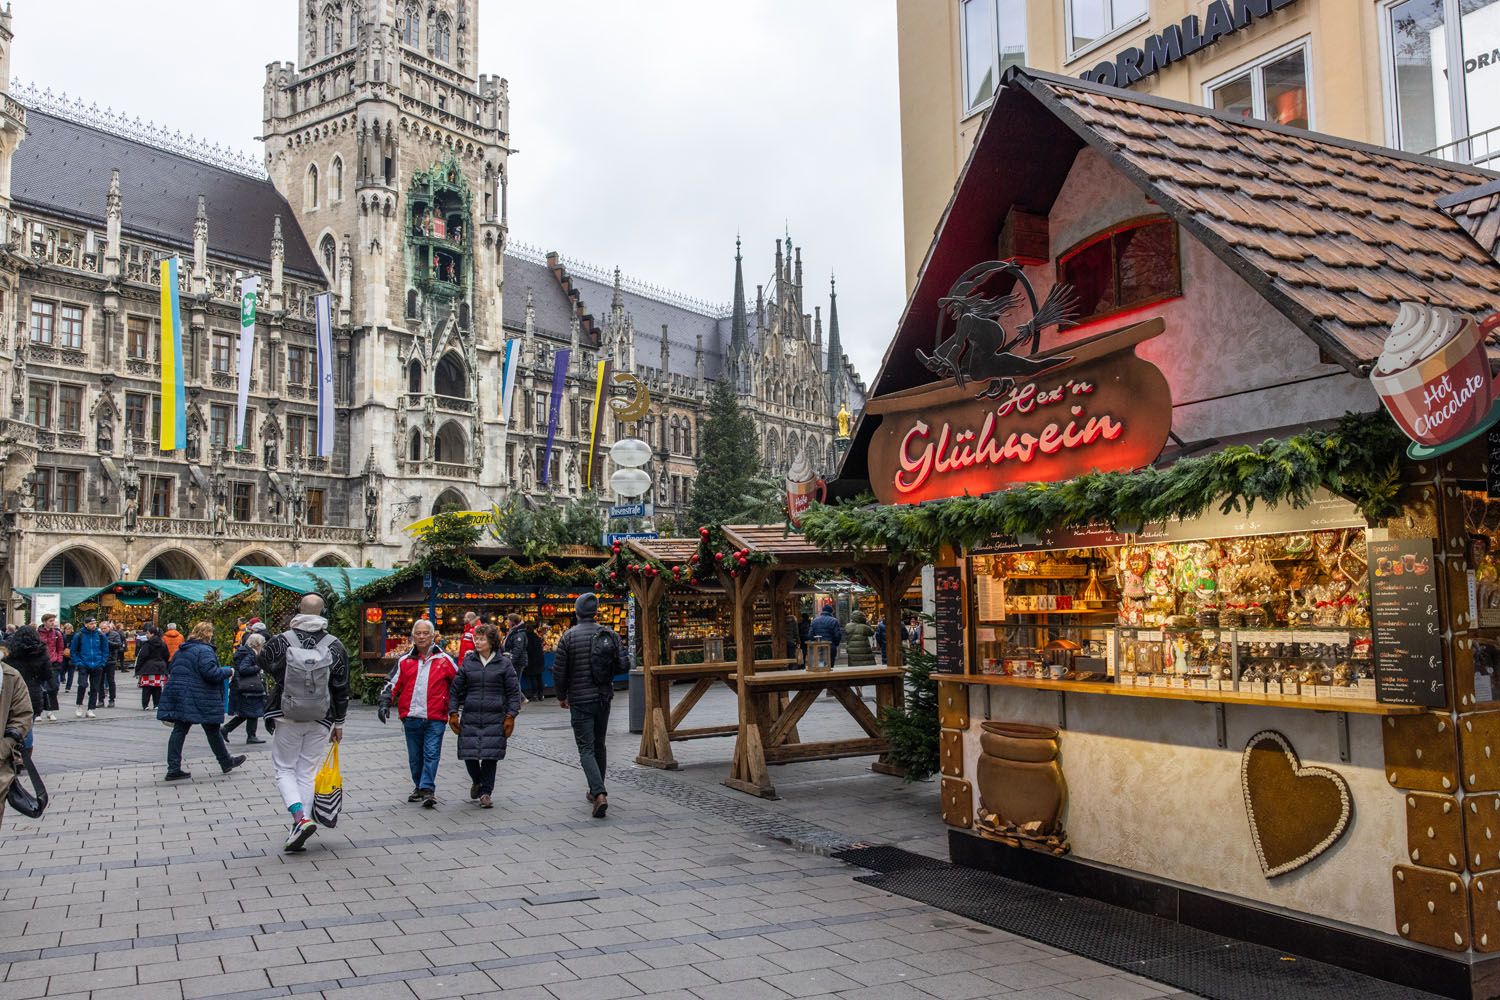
56, 523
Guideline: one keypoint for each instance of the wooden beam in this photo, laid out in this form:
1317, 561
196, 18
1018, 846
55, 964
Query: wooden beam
703, 732
787, 720
685, 705
831, 750
856, 708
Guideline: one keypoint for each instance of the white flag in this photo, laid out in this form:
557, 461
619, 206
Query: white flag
249, 300
324, 324
508, 369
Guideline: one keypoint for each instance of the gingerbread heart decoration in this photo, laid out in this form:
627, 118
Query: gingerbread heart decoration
1296, 813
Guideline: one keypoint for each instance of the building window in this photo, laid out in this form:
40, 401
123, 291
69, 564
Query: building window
135, 415
137, 338
312, 186
296, 433
1130, 265
70, 408
329, 251
541, 412
41, 488
1274, 89
993, 38
70, 329
1092, 21
39, 404
330, 32
442, 36
156, 496
1433, 109
68, 491
296, 365
221, 354
411, 28
218, 426
43, 315
315, 507
242, 502
336, 180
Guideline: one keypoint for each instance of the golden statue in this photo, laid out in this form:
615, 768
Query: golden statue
843, 422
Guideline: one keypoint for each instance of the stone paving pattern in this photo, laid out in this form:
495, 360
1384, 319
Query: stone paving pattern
131, 887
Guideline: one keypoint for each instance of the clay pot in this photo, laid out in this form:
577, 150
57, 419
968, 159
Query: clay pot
1019, 777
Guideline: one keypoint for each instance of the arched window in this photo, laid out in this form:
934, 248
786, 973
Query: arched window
449, 500
312, 186
411, 28
329, 252
450, 377
336, 180
448, 446
414, 451
414, 376
330, 30
442, 36
355, 28
687, 437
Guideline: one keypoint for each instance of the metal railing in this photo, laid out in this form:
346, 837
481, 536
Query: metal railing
1480, 149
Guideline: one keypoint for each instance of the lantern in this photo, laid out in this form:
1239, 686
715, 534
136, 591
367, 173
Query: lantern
374, 615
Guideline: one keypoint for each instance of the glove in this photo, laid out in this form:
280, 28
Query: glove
271, 726
383, 713
453, 724
510, 725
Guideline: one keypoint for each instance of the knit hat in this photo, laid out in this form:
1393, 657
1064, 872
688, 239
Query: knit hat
587, 606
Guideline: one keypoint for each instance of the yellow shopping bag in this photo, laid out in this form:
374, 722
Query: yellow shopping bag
328, 790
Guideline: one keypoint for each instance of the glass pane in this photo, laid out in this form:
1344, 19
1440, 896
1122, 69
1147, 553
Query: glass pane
1480, 25
1125, 11
1012, 33
1147, 257
1091, 272
1237, 97
1090, 20
1420, 68
979, 52
1286, 90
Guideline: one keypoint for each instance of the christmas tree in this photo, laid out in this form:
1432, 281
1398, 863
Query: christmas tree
730, 462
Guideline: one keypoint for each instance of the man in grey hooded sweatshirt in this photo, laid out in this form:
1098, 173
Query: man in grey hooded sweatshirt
297, 748
589, 657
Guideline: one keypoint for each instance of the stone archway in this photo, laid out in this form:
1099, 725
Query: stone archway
256, 557
450, 445
331, 560
449, 500
170, 563
77, 564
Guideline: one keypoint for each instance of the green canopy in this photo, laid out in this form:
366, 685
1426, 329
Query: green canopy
68, 597
197, 591
305, 579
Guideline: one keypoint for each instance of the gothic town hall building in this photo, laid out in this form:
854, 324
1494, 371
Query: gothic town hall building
385, 180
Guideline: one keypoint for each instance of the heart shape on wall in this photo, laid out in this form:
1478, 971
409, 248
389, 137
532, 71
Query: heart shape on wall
1296, 813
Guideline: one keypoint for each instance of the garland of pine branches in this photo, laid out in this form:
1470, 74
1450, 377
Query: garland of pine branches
1358, 459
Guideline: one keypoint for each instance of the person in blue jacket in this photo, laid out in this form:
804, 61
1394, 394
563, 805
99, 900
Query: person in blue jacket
194, 695
90, 653
826, 628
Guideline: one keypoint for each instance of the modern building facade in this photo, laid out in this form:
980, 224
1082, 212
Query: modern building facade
1385, 72
385, 181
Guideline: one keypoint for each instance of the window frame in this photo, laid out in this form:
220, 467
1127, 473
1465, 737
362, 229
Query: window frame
221, 348
157, 487
1072, 54
64, 321
62, 405
34, 391
51, 322
220, 413
1255, 68
72, 479
242, 490
41, 487
1109, 233
315, 506
145, 330
1458, 96
967, 110
300, 353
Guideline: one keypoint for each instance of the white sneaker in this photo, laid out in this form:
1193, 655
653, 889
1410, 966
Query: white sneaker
297, 839
91, 714
78, 713
51, 716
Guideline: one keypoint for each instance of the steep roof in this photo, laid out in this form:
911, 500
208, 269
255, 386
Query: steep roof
649, 315
62, 168
1478, 211
553, 312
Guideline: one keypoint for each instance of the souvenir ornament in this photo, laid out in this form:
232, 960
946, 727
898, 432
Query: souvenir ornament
1434, 378
1296, 813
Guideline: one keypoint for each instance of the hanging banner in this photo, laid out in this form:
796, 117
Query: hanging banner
598, 418
554, 408
173, 386
509, 365
324, 325
249, 299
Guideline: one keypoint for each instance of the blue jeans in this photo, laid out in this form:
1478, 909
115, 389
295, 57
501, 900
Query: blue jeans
424, 745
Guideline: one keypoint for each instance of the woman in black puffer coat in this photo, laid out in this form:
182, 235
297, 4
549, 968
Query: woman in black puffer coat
484, 699
151, 658
27, 654
247, 688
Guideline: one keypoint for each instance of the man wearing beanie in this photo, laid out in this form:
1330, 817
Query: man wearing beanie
588, 658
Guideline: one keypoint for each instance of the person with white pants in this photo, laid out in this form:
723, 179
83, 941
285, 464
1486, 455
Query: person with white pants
297, 748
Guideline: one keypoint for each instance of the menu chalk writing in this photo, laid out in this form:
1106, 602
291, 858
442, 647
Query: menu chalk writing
1404, 613
1492, 462
948, 619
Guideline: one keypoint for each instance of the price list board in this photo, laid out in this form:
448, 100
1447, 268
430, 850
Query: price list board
1407, 633
948, 618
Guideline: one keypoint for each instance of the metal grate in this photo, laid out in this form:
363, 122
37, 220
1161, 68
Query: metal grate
1209, 965
884, 859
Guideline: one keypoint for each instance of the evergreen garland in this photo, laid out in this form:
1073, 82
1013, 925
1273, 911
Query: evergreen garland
1358, 459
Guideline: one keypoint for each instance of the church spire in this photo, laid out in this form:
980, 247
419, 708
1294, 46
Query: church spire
739, 332
836, 392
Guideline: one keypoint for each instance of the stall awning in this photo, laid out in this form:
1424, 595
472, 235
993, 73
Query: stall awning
68, 597
197, 591
305, 579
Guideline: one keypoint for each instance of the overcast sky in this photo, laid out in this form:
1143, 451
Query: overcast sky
649, 131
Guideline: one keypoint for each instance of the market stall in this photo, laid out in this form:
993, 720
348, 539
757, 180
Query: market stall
1209, 499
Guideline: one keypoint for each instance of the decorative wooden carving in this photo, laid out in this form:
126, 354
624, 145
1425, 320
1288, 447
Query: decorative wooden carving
1434, 831
1296, 813
953, 705
1482, 833
951, 752
1431, 907
958, 803
1479, 751
1484, 912
1421, 752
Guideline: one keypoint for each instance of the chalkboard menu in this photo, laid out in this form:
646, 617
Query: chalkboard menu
1492, 463
1408, 635
948, 618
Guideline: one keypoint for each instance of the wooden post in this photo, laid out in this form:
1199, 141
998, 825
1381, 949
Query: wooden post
748, 772
656, 746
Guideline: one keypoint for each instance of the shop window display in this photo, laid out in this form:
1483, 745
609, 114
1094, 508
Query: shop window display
1482, 520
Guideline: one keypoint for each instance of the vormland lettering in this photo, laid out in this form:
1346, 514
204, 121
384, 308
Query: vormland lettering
1177, 41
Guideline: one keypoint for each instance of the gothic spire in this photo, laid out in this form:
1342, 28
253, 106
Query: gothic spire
835, 349
739, 331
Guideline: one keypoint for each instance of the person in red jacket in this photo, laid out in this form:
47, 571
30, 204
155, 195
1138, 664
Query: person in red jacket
419, 690
57, 647
466, 644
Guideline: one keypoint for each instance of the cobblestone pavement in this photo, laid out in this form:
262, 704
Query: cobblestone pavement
134, 888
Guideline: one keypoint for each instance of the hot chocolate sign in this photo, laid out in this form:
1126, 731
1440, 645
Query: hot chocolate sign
1434, 378
1042, 417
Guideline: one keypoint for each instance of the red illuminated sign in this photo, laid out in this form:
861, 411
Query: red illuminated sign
1102, 409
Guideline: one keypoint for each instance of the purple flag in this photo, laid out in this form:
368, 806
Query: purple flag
554, 408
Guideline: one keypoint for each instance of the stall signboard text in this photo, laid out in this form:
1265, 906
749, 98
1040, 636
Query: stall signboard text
1404, 615
947, 618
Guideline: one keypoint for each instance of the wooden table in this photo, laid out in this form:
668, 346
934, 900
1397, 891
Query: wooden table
663, 725
774, 719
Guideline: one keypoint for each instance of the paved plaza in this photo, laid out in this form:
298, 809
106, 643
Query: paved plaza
135, 888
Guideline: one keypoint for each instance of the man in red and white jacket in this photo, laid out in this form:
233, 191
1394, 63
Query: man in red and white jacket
419, 689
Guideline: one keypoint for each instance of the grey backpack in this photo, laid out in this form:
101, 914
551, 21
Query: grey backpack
304, 686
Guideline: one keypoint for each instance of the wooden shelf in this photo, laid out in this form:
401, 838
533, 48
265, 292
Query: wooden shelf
1353, 706
1047, 576
1009, 612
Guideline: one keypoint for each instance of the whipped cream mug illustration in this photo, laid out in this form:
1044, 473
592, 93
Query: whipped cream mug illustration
1434, 377
802, 487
